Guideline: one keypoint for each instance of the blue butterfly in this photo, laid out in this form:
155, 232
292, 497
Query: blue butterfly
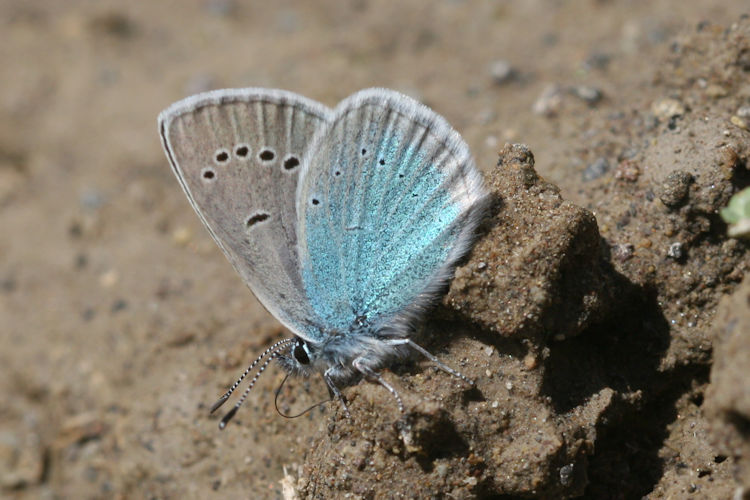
345, 223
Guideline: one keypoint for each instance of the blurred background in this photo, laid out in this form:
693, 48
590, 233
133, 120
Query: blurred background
119, 319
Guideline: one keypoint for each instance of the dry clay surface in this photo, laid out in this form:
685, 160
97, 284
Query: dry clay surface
602, 313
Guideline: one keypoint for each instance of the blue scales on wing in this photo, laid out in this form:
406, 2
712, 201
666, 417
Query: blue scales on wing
388, 200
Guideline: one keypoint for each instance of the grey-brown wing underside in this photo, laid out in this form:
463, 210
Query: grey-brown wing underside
237, 154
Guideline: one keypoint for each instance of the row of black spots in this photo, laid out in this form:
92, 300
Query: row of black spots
242, 151
265, 155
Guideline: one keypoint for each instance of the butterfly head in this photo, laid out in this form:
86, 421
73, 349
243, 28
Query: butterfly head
300, 359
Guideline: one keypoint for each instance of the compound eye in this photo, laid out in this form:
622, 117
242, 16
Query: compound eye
300, 354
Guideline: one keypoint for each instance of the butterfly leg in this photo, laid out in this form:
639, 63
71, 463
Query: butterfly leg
368, 372
334, 391
428, 355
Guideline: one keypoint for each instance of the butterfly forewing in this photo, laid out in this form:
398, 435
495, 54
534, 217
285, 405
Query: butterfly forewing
237, 154
388, 200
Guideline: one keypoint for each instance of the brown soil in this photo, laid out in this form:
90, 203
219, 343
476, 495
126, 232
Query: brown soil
600, 306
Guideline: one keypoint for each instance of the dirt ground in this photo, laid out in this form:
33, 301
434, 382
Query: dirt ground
603, 312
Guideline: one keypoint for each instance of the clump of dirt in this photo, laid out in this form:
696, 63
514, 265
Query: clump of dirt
538, 271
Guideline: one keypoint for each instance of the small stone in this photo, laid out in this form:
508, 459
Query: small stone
743, 112
667, 108
566, 474
595, 170
549, 101
715, 91
119, 305
597, 60
502, 72
739, 122
79, 428
441, 470
591, 95
674, 190
471, 481
92, 199
109, 278
675, 251
509, 385
182, 236
623, 251
530, 361
627, 170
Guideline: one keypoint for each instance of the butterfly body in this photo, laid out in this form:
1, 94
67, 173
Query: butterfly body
345, 223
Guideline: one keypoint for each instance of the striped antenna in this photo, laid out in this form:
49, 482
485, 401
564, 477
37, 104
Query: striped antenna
231, 412
273, 349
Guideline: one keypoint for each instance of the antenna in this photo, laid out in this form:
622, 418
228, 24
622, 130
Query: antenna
273, 351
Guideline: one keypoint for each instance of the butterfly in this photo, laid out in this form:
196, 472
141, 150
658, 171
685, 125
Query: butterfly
345, 223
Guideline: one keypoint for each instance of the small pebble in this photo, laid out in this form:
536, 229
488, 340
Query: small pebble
743, 112
471, 481
566, 474
509, 385
715, 91
91, 199
675, 251
667, 108
441, 470
501, 71
182, 236
595, 170
627, 170
591, 95
623, 251
549, 101
739, 122
597, 60
530, 361
674, 190
109, 278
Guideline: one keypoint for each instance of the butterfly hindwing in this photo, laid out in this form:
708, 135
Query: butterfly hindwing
388, 199
237, 154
